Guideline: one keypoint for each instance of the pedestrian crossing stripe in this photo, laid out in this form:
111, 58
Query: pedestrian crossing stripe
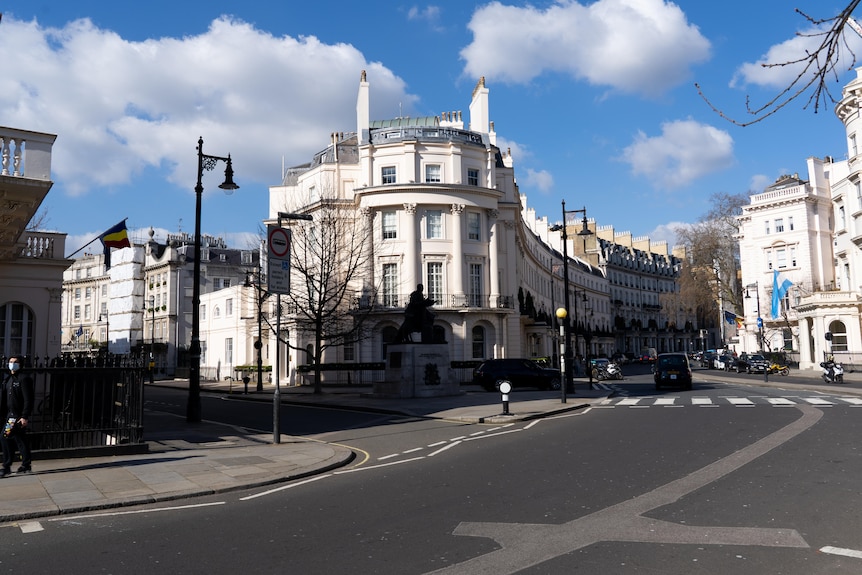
740, 402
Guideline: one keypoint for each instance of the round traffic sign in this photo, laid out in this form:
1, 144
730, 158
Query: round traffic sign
279, 242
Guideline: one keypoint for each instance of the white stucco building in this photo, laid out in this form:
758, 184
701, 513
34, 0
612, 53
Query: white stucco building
440, 204
31, 262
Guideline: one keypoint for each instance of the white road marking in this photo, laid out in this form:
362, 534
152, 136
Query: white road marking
839, 551
31, 527
442, 449
854, 401
283, 487
780, 401
355, 469
666, 401
702, 401
817, 401
740, 401
137, 511
630, 401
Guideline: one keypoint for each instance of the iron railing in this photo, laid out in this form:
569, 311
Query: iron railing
441, 301
83, 404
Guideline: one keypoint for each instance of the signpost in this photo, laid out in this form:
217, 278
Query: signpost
278, 259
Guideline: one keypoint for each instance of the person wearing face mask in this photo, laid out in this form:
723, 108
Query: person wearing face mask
16, 404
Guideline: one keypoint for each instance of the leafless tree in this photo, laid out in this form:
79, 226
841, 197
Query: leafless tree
712, 271
816, 67
329, 259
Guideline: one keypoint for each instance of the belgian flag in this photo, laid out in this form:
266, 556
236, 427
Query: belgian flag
116, 237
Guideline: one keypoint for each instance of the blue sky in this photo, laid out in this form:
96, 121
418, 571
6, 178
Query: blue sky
595, 99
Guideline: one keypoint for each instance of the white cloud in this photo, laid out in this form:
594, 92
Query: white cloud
638, 46
685, 151
541, 180
121, 107
429, 13
779, 77
666, 232
759, 183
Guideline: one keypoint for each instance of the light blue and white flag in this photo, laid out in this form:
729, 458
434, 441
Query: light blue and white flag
779, 290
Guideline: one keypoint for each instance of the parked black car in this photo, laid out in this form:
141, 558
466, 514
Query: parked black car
519, 372
751, 363
672, 369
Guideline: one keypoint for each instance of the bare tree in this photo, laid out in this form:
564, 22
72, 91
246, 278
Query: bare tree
815, 67
712, 271
328, 265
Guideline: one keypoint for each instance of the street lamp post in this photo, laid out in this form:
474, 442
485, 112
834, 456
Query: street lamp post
107, 319
561, 316
261, 296
152, 362
756, 287
205, 162
584, 232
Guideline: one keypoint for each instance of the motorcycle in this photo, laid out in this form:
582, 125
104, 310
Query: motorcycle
614, 371
780, 369
833, 372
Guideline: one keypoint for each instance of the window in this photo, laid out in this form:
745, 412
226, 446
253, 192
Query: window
472, 177
87, 313
203, 312
478, 342
228, 350
839, 336
779, 225
852, 145
104, 290
473, 226
77, 313
390, 285
790, 223
793, 257
88, 292
475, 278
434, 224
225, 283
842, 221
216, 312
349, 351
434, 281
767, 227
390, 229
388, 175
432, 174
228, 304
16, 329
77, 293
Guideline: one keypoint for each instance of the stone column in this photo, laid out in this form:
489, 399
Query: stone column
457, 252
409, 278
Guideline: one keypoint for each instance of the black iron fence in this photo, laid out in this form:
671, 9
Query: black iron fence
367, 373
84, 404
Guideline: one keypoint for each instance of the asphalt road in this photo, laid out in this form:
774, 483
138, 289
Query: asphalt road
726, 478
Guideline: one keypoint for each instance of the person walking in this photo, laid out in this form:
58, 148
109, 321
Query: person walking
16, 404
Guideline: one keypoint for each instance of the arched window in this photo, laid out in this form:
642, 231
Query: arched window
16, 329
478, 342
839, 335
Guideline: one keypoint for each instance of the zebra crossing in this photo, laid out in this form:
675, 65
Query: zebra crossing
729, 401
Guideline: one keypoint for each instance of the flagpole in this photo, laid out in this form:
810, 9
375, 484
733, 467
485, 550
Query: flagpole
94, 239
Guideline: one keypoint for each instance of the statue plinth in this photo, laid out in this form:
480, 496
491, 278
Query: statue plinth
418, 370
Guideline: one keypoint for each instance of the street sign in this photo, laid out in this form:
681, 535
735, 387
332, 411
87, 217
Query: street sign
278, 259
759, 322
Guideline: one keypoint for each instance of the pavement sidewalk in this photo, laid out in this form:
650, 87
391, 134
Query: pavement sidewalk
188, 460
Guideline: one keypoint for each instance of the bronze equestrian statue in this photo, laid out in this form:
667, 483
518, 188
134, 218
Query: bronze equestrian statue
417, 317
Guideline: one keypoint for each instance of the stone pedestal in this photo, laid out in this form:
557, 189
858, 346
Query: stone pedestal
418, 370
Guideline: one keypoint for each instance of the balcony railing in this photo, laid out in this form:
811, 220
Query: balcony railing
442, 302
